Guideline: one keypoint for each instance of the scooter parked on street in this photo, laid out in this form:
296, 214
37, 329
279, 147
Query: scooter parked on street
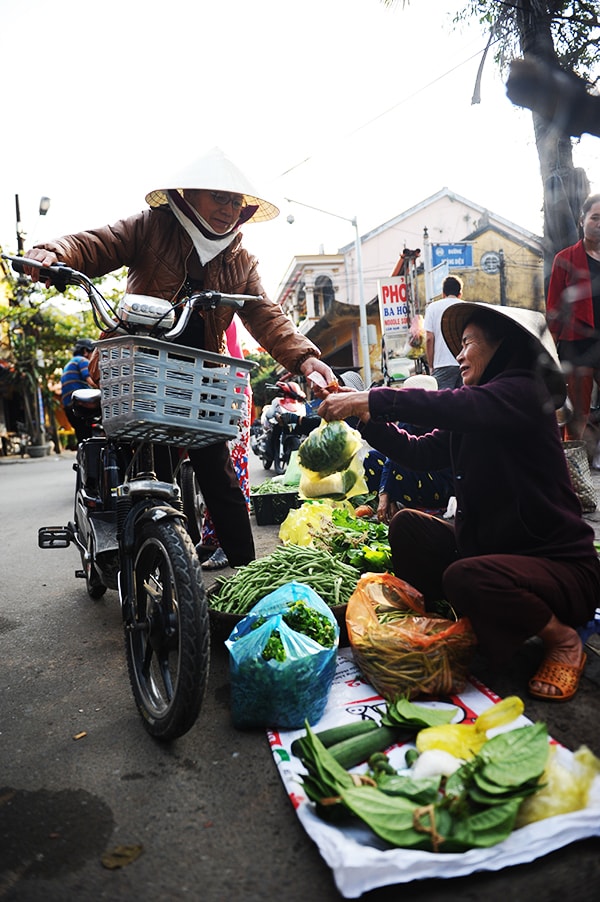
129, 525
276, 440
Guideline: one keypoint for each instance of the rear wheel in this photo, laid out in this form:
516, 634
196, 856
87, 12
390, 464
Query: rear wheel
94, 585
168, 645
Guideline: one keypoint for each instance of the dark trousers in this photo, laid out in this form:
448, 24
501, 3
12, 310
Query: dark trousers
225, 500
507, 597
83, 428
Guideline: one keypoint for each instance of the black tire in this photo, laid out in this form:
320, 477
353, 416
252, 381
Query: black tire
281, 460
266, 462
192, 501
168, 647
94, 585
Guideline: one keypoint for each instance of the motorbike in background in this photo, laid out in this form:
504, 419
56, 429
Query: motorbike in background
273, 440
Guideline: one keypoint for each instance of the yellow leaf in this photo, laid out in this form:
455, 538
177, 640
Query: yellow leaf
121, 856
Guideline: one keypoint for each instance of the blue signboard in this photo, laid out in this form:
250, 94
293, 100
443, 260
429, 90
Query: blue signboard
457, 255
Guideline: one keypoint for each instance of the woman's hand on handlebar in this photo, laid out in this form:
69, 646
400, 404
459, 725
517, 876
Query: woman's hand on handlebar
46, 258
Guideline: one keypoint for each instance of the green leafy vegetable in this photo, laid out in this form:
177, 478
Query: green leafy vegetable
274, 650
356, 541
270, 487
403, 713
476, 807
329, 448
304, 619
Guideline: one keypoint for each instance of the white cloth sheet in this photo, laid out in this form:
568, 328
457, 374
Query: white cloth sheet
358, 859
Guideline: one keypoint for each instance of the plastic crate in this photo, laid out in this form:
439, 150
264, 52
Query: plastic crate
170, 394
270, 509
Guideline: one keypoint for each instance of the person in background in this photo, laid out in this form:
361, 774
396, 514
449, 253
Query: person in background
519, 559
573, 314
442, 363
239, 448
399, 486
302, 425
76, 374
189, 239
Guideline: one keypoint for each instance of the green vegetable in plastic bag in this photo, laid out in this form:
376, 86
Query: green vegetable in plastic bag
329, 448
282, 659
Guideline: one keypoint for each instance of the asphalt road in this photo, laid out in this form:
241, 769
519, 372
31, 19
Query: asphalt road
209, 810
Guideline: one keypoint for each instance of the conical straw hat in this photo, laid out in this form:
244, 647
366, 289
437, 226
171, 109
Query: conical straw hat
533, 323
214, 171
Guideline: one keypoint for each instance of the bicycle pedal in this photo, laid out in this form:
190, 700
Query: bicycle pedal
54, 537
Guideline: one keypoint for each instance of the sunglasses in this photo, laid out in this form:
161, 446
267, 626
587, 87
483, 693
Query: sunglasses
223, 198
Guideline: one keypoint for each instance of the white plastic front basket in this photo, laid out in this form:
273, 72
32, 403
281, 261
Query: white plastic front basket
170, 394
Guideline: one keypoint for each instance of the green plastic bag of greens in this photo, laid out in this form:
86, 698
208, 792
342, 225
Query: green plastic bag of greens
282, 660
329, 448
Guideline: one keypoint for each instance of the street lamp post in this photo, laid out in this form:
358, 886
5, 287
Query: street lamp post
363, 330
20, 232
32, 396
43, 209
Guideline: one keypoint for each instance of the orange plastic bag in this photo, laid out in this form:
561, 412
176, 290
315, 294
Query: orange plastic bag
400, 649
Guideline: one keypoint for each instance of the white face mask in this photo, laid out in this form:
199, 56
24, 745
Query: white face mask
206, 248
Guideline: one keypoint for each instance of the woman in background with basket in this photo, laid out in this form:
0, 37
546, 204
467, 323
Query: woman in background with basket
519, 560
189, 239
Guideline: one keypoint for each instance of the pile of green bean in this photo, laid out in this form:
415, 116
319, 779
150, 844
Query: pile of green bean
331, 579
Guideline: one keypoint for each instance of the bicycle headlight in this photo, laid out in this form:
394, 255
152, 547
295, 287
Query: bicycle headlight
141, 310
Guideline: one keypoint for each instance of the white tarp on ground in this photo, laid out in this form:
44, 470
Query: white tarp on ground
358, 859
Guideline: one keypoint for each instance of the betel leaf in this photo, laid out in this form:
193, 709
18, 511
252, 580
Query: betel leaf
493, 789
403, 713
481, 797
423, 791
322, 766
515, 757
390, 817
486, 827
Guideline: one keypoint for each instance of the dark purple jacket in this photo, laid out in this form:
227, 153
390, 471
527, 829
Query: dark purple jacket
501, 439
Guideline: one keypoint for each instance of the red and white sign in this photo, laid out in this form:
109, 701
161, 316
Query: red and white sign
393, 304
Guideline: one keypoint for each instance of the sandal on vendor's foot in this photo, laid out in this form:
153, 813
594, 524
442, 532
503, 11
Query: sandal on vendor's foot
564, 677
217, 561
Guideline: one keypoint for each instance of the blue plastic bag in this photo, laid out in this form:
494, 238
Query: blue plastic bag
280, 694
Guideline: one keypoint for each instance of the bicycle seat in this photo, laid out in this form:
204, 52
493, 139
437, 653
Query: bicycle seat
86, 398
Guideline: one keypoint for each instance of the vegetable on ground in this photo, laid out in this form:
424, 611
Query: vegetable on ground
475, 807
333, 580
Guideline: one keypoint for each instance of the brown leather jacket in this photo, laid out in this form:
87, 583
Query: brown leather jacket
160, 256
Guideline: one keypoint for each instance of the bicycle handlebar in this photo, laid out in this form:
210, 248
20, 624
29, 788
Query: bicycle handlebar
60, 276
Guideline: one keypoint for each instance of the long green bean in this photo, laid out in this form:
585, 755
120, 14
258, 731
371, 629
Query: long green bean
333, 580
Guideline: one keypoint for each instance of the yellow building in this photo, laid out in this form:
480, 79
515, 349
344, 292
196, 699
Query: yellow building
498, 261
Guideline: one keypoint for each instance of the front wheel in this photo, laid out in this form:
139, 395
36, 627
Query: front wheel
168, 644
284, 447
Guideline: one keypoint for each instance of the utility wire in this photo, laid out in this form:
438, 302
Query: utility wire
392, 108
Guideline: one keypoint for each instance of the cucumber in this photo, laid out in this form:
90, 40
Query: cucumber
350, 752
337, 734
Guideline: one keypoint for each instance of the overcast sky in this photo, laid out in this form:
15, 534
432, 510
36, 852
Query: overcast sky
340, 104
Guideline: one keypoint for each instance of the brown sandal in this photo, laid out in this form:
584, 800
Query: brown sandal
563, 677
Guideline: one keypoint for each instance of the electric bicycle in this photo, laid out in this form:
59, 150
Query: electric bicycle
129, 524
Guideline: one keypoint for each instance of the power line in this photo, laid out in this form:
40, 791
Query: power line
389, 109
